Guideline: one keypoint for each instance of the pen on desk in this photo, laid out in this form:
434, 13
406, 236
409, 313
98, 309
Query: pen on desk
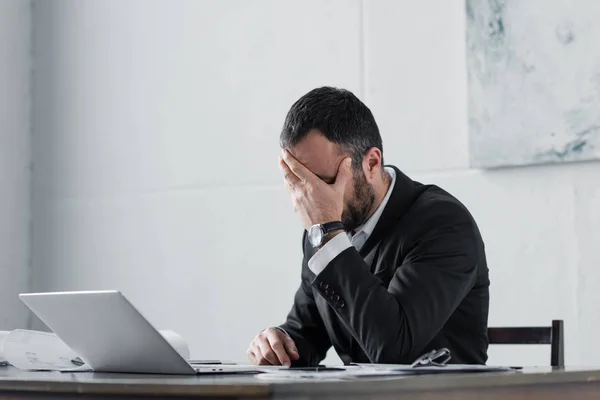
77, 361
316, 369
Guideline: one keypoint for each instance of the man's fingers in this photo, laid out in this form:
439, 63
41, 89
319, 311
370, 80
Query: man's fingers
251, 356
290, 347
258, 356
344, 174
267, 353
280, 351
272, 347
288, 176
297, 167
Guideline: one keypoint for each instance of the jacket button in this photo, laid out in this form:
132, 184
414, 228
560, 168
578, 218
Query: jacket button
328, 292
324, 286
341, 304
335, 298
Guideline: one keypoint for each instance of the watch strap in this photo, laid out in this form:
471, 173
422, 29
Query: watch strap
329, 227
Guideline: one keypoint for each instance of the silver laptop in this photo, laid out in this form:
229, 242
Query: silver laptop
110, 335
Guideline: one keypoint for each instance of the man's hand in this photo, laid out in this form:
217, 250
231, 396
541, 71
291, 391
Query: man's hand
315, 201
272, 347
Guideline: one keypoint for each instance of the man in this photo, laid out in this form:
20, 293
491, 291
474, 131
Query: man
392, 268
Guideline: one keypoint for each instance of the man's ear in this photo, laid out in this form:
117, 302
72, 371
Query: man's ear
372, 162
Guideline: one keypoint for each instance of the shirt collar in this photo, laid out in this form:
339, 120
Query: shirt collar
369, 226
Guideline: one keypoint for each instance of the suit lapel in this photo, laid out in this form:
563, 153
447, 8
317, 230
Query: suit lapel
400, 201
370, 257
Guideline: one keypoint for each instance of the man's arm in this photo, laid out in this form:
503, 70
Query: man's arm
394, 324
304, 324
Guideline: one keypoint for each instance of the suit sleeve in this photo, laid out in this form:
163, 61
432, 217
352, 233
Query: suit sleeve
394, 324
304, 324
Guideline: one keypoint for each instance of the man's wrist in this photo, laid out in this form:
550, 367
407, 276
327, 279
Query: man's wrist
330, 236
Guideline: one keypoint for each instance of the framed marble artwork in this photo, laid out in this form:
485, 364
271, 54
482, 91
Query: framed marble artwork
533, 81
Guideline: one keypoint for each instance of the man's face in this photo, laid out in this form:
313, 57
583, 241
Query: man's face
323, 159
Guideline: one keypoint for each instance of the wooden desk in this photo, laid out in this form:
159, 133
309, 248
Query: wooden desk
541, 383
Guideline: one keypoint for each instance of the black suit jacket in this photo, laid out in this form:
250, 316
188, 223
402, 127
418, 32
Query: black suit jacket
419, 283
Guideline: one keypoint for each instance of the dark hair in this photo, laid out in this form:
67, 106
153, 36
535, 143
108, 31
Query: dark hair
339, 115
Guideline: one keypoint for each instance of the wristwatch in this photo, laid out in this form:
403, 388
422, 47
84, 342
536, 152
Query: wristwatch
317, 233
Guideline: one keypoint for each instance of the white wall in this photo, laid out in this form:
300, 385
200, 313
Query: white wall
15, 69
156, 130
156, 145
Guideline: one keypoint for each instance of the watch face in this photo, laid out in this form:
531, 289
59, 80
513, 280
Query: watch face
315, 235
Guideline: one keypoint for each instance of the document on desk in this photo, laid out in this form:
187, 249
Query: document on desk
337, 373
3, 335
35, 350
343, 373
357, 371
431, 369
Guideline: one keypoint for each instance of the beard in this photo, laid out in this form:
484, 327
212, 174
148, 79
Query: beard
357, 210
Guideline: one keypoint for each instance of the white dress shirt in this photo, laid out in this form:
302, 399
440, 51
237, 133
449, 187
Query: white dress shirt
341, 242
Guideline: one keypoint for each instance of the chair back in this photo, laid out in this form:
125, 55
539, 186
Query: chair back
552, 335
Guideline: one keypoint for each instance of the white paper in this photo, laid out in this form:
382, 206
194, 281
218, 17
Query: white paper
357, 371
3, 334
450, 368
341, 373
313, 376
34, 350
178, 343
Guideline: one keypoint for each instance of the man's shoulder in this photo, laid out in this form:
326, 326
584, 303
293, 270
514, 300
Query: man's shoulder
434, 198
433, 207
437, 217
424, 201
